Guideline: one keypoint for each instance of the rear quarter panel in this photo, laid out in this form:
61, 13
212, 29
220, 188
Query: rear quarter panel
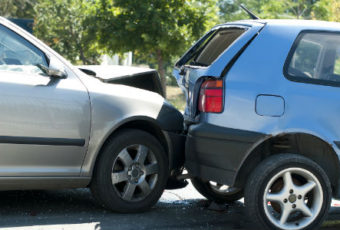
311, 109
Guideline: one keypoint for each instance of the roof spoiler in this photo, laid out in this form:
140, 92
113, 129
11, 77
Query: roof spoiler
251, 14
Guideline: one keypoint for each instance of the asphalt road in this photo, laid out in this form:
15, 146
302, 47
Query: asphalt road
75, 209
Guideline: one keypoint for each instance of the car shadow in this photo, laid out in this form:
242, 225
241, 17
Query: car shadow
70, 209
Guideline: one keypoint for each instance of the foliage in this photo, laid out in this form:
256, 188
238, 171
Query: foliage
62, 25
17, 8
299, 9
328, 10
155, 30
230, 9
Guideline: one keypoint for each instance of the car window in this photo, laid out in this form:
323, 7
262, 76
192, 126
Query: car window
217, 44
337, 62
17, 54
212, 45
315, 57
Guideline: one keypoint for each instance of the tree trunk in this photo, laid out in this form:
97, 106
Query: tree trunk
82, 56
161, 70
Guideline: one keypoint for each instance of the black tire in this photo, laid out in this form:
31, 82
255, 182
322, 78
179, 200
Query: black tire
273, 174
204, 187
111, 195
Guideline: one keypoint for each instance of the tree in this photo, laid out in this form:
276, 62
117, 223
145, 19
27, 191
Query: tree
155, 30
230, 9
17, 8
299, 9
62, 24
328, 10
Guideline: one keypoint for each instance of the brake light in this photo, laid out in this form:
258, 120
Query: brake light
211, 96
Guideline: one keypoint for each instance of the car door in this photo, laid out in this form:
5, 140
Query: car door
44, 121
313, 67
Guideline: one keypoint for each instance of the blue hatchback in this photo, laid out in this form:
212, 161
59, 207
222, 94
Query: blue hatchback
262, 115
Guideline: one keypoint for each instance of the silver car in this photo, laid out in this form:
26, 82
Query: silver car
263, 105
61, 128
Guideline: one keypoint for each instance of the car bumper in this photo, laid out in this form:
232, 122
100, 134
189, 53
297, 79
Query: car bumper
176, 146
216, 153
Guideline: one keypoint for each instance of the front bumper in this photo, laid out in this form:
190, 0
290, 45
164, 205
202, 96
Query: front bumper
176, 146
215, 153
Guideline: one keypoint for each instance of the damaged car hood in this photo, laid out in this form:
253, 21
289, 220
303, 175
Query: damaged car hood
143, 78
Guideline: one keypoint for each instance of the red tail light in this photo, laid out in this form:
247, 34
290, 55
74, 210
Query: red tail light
211, 96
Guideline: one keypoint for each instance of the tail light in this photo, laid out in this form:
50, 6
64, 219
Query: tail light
211, 96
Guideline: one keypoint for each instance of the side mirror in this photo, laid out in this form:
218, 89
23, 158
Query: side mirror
56, 69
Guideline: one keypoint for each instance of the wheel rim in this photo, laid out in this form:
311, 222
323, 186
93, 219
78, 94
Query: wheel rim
222, 189
134, 173
298, 205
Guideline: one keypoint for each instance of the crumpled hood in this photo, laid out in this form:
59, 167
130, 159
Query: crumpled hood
116, 102
143, 78
98, 87
110, 72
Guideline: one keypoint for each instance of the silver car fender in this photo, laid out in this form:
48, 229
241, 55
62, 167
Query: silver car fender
115, 105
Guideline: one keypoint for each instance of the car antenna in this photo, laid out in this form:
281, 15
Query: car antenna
251, 14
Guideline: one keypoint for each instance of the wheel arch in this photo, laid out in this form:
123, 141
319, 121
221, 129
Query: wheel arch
143, 123
305, 144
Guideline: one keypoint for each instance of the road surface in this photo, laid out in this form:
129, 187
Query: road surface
76, 209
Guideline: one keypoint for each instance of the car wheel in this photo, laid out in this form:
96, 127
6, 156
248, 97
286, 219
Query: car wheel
217, 192
288, 191
131, 173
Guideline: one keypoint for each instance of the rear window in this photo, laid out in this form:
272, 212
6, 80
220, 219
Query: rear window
212, 46
315, 58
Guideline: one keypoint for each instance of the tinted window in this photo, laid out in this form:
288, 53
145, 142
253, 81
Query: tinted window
316, 57
337, 63
212, 45
17, 54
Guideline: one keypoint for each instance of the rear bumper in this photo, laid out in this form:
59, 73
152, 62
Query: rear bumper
216, 153
176, 145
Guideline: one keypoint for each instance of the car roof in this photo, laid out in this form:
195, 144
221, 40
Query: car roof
287, 23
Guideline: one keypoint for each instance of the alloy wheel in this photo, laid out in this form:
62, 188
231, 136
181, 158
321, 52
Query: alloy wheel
299, 203
134, 173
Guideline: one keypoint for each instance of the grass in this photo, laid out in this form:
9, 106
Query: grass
176, 97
